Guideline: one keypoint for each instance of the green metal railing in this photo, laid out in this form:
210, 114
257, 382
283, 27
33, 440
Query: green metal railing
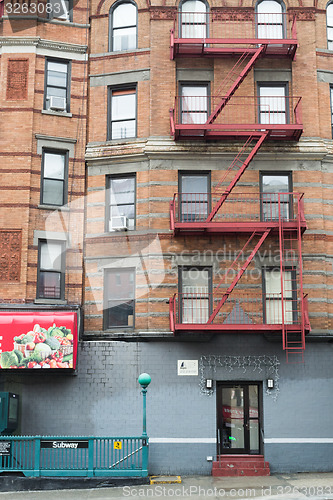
74, 456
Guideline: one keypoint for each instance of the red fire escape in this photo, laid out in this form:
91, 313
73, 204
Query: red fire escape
252, 119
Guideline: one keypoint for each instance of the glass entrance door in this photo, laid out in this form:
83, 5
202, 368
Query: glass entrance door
238, 418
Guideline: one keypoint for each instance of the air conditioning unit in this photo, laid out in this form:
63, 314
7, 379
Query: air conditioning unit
57, 103
118, 223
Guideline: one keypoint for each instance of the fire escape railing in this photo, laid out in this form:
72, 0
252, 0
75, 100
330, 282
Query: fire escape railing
239, 210
212, 33
280, 116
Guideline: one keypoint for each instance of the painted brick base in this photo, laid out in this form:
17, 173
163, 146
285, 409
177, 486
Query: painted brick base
240, 465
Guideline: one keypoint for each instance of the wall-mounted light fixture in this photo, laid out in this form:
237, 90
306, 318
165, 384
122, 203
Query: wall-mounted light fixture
270, 383
209, 383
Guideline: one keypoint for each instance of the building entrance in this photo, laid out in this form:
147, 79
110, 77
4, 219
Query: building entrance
238, 418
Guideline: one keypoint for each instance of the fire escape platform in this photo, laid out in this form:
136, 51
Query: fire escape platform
221, 47
239, 328
213, 131
233, 227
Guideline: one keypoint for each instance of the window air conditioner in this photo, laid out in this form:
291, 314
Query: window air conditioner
118, 223
57, 103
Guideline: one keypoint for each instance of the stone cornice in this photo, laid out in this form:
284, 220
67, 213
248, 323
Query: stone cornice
40, 43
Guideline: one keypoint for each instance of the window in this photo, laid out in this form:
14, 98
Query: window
51, 270
119, 300
61, 9
194, 103
196, 291
331, 93
123, 26
329, 22
273, 104
57, 85
121, 203
273, 296
54, 178
270, 19
271, 188
194, 196
193, 19
122, 113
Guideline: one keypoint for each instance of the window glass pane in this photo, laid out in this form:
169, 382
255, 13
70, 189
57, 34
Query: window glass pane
269, 6
60, 9
123, 106
194, 104
53, 192
126, 288
124, 39
57, 74
58, 92
122, 210
330, 33
275, 183
194, 19
122, 190
194, 184
54, 165
329, 14
123, 129
50, 256
124, 15
49, 285
120, 314
195, 280
194, 6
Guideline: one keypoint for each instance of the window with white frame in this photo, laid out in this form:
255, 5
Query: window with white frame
122, 113
54, 178
194, 103
51, 270
195, 294
273, 104
193, 19
57, 85
119, 298
123, 26
280, 296
121, 202
270, 19
329, 25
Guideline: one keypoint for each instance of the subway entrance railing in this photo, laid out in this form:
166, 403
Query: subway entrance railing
36, 456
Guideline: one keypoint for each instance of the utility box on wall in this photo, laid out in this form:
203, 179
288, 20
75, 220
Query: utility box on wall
9, 412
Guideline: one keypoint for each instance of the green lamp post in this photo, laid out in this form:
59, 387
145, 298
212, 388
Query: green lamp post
144, 380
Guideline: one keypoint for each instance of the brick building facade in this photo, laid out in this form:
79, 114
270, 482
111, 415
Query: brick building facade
206, 131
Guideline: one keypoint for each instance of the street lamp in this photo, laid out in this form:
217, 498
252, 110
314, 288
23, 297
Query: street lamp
144, 380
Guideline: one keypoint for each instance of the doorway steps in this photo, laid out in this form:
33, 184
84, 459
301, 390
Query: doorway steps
240, 465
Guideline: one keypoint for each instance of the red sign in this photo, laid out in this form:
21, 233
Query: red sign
33, 339
237, 413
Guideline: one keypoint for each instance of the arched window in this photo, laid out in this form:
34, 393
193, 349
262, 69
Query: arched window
329, 23
123, 26
193, 19
270, 19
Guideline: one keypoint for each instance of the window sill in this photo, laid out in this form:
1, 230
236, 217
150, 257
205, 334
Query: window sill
56, 113
63, 208
51, 301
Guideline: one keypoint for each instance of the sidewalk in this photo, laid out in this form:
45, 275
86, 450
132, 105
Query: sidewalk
276, 487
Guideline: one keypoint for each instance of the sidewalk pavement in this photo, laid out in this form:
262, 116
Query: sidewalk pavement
315, 486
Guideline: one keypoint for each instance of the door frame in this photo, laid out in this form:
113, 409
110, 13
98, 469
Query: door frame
219, 419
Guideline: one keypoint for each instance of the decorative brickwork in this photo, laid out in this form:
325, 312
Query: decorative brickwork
17, 79
10, 255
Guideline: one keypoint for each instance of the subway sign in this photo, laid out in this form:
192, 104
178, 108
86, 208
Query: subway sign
64, 445
38, 340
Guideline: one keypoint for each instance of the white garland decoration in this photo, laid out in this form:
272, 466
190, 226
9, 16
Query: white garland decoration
254, 363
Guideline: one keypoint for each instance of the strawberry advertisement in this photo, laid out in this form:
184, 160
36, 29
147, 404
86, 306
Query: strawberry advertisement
38, 340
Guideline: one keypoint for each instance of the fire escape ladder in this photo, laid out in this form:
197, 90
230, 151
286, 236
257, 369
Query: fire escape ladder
241, 162
292, 306
240, 272
234, 78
